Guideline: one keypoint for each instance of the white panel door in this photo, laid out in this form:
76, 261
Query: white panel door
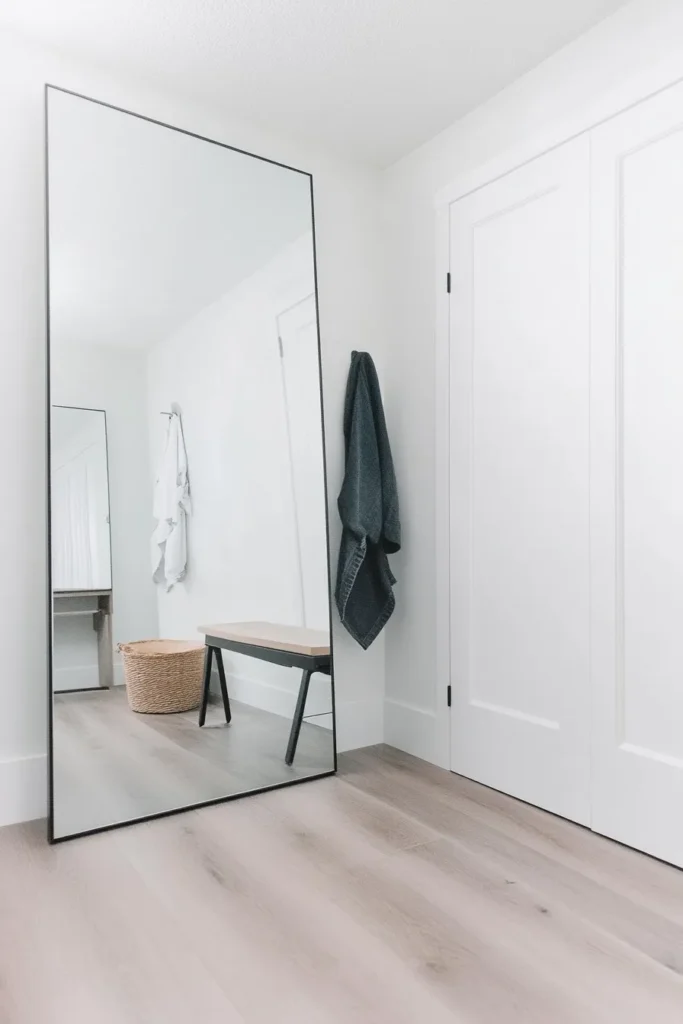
637, 477
519, 483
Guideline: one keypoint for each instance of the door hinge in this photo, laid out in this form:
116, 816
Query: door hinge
282, 351
448, 282
448, 695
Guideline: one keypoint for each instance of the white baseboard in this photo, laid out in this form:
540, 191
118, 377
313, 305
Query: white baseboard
81, 677
360, 723
78, 677
23, 789
119, 678
279, 700
410, 728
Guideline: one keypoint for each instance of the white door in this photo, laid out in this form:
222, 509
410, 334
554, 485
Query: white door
81, 547
298, 332
519, 337
637, 477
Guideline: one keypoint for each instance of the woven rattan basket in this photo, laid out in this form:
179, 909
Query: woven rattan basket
162, 676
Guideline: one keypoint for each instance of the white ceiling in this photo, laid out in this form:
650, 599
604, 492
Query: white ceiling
373, 78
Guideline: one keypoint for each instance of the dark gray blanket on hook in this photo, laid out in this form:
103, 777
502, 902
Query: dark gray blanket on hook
368, 507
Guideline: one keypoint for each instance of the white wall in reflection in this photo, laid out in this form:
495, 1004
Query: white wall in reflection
245, 374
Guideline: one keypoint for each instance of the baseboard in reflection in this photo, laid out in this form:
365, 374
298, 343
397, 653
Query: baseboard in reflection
279, 700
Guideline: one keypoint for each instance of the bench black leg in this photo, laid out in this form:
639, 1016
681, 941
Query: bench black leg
212, 652
208, 658
224, 685
298, 716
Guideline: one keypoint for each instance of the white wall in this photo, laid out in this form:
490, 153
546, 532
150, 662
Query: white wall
350, 264
224, 370
644, 39
115, 379
356, 254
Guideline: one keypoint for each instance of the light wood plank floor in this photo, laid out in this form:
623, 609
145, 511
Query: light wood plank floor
394, 893
112, 765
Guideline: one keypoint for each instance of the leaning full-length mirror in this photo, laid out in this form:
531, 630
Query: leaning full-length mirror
190, 654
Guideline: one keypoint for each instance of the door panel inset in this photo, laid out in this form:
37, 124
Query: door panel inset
637, 483
519, 482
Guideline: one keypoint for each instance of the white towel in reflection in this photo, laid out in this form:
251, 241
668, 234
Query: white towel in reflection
171, 508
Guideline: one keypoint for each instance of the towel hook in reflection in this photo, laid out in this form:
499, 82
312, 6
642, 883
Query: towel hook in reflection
175, 408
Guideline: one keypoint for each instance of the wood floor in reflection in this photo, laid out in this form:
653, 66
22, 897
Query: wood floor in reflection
393, 893
112, 764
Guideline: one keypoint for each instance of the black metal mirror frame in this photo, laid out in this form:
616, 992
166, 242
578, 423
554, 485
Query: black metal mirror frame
50, 626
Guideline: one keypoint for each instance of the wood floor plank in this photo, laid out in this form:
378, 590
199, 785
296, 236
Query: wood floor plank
255, 911
556, 880
448, 803
394, 893
340, 825
112, 765
83, 941
522, 913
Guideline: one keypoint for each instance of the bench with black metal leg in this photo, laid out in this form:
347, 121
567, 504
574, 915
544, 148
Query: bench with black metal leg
300, 711
290, 646
211, 653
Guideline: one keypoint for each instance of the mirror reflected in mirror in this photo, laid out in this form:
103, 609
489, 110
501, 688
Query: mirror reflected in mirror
190, 637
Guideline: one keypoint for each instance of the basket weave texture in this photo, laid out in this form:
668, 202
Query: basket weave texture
162, 676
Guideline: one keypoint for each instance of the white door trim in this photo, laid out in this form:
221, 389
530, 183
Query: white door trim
442, 398
629, 94
637, 90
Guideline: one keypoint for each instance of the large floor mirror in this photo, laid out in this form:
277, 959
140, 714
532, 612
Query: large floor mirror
190, 649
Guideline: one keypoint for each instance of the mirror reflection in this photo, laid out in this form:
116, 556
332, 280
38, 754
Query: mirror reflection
191, 655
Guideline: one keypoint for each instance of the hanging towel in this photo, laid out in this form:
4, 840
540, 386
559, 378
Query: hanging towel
368, 507
171, 508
